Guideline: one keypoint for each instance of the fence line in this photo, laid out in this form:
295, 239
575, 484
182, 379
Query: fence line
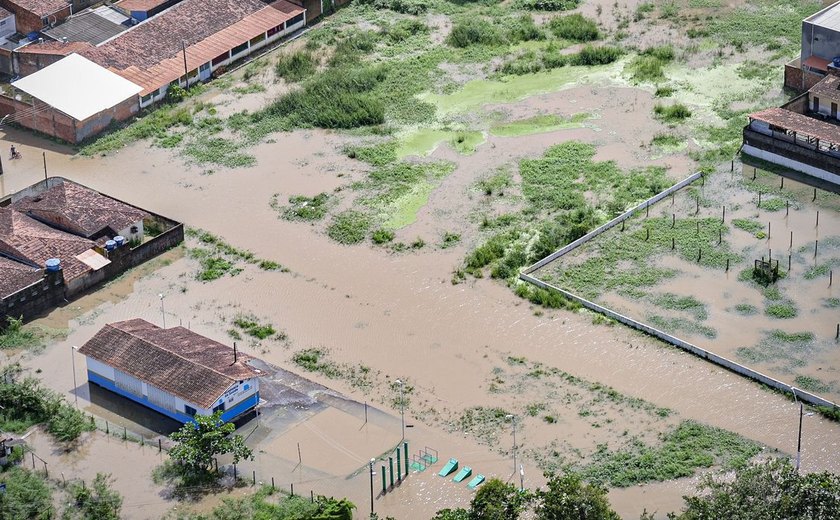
664, 336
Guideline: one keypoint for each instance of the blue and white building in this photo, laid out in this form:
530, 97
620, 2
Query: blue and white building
174, 371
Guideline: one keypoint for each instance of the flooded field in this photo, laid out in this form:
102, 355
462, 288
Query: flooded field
355, 310
785, 329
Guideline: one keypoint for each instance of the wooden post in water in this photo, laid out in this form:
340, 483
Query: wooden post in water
830, 277
782, 184
815, 195
673, 220
647, 234
647, 210
697, 211
818, 218
720, 236
791, 240
759, 199
699, 254
292, 488
272, 483
816, 246
790, 257
723, 218
727, 265
768, 231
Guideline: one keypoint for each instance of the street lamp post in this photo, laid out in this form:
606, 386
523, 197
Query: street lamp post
799, 437
162, 312
402, 408
513, 420
73, 363
371, 486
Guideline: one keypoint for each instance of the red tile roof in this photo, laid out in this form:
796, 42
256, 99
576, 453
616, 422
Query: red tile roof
14, 276
799, 123
151, 54
177, 361
139, 5
26, 238
78, 209
827, 89
51, 47
41, 7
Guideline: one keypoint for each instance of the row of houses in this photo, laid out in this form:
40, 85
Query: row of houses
59, 238
100, 66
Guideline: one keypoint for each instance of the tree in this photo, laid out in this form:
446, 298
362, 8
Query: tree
332, 509
770, 490
496, 500
27, 496
98, 502
200, 441
569, 498
452, 514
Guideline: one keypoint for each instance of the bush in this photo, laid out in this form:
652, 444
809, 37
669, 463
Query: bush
295, 66
415, 7
523, 29
672, 113
474, 31
382, 236
591, 55
575, 27
405, 29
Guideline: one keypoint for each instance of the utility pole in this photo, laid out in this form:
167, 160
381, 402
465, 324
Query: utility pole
402, 408
799, 437
513, 420
73, 363
371, 486
162, 312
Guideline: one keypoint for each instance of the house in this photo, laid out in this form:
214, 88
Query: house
72, 99
795, 141
59, 238
174, 371
93, 26
35, 15
820, 45
193, 39
37, 55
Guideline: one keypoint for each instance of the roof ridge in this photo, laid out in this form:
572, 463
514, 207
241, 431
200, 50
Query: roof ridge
167, 350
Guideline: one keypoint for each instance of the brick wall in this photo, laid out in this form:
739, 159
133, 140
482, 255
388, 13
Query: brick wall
28, 62
34, 300
798, 79
28, 21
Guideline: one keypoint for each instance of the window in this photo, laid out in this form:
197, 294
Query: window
257, 39
296, 19
816, 104
220, 408
275, 30
189, 410
146, 98
246, 387
239, 48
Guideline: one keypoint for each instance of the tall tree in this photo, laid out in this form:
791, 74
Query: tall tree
768, 491
496, 500
200, 441
569, 498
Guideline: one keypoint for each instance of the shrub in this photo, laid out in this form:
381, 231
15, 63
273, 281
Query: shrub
414, 7
382, 236
575, 27
591, 55
474, 31
524, 29
295, 66
672, 113
405, 29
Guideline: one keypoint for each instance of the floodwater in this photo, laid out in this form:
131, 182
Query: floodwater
793, 235
399, 314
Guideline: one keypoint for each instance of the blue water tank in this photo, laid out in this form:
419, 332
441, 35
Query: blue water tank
53, 265
110, 245
836, 61
120, 240
33, 36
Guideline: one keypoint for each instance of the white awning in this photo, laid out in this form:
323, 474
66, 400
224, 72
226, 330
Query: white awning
78, 87
93, 259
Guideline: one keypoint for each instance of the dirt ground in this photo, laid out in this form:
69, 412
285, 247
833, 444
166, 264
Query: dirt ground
397, 314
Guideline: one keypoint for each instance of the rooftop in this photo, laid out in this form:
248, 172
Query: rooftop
51, 47
27, 239
828, 17
14, 276
88, 26
827, 88
41, 7
139, 5
80, 210
78, 87
4, 13
799, 123
151, 54
177, 361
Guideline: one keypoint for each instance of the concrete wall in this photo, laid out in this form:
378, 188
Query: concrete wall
26, 63
664, 336
819, 41
34, 300
28, 21
798, 79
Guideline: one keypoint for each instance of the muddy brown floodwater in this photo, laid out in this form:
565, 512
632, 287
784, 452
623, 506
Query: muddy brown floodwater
398, 313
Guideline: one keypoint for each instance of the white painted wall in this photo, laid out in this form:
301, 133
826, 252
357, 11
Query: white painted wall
7, 26
100, 368
129, 236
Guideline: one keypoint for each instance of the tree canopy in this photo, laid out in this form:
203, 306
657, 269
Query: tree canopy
200, 441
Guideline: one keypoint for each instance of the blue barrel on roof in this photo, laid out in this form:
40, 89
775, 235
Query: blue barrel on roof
120, 240
110, 245
53, 265
32, 36
836, 61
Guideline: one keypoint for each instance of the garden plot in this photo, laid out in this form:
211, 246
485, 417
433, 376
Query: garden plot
687, 268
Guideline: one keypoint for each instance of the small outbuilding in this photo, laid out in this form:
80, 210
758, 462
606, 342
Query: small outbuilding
72, 99
174, 371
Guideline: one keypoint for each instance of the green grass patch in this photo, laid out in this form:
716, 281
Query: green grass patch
539, 124
648, 66
784, 310
831, 303
574, 27
296, 66
745, 309
676, 325
771, 24
475, 31
349, 227
682, 303
546, 5
217, 258
683, 451
773, 204
377, 155
778, 345
216, 150
252, 327
382, 236
152, 123
312, 359
812, 384
667, 140
450, 240
751, 226
672, 114
306, 208
14, 336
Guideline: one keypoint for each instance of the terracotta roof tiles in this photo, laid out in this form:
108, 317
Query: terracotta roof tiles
177, 361
14, 276
799, 123
41, 7
57, 48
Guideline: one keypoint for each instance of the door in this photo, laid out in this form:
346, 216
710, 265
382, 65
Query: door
204, 72
834, 111
816, 104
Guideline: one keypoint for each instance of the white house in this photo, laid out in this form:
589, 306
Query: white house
173, 371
